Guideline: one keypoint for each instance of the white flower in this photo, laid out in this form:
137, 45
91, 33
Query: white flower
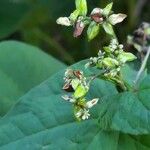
68, 73
114, 47
87, 65
91, 103
63, 21
79, 113
69, 99
82, 114
121, 46
116, 18
114, 42
85, 114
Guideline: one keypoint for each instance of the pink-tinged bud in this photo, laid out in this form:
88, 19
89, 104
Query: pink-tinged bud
96, 15
79, 27
68, 87
78, 74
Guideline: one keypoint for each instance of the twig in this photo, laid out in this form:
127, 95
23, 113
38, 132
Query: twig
142, 66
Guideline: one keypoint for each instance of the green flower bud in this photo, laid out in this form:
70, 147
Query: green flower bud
80, 91
124, 57
110, 62
73, 16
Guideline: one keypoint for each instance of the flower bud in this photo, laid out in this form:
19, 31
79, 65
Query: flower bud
63, 21
96, 15
91, 103
69, 99
79, 27
116, 18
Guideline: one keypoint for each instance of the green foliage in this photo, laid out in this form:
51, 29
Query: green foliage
108, 28
21, 68
107, 9
81, 5
93, 30
11, 16
42, 120
124, 57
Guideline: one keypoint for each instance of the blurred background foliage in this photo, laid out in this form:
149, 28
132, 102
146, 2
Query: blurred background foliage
34, 22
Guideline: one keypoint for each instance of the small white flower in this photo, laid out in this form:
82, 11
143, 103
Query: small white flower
96, 11
85, 115
118, 69
63, 21
91, 103
114, 47
121, 46
79, 113
68, 72
114, 42
69, 99
117, 18
87, 65
82, 25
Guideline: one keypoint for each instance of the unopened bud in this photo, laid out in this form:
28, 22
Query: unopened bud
79, 27
91, 103
96, 15
63, 21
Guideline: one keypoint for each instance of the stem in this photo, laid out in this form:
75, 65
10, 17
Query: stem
142, 66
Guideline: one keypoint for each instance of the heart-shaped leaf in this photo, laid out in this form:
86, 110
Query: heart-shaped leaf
43, 120
22, 67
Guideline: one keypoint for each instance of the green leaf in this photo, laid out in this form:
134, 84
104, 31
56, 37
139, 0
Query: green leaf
81, 5
108, 28
43, 120
125, 56
126, 113
107, 9
22, 67
41, 114
73, 16
93, 30
11, 16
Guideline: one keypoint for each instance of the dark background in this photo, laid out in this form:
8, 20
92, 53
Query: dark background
34, 22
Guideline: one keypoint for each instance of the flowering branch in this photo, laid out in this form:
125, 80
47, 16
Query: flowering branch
110, 59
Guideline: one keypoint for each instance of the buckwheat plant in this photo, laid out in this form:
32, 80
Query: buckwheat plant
108, 61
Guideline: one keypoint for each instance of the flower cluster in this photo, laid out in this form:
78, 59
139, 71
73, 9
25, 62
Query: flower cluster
76, 82
97, 18
111, 59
